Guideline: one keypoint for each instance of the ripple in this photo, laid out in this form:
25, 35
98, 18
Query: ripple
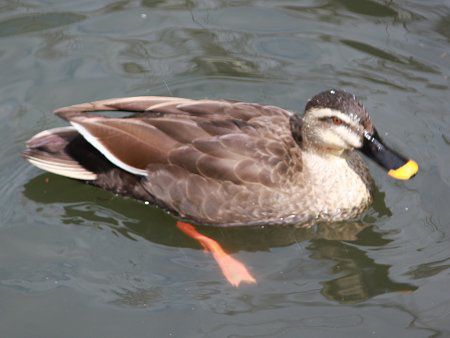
370, 8
429, 269
389, 56
292, 48
30, 23
242, 19
443, 26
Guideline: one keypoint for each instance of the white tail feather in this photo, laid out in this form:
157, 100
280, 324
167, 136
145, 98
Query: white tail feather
68, 169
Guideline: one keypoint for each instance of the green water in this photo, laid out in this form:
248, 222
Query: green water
79, 262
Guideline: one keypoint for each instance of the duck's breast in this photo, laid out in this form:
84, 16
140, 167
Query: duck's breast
337, 187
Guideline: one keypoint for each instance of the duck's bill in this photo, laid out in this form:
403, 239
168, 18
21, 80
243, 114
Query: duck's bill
397, 166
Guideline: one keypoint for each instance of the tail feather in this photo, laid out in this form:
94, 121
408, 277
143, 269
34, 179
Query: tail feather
64, 151
48, 151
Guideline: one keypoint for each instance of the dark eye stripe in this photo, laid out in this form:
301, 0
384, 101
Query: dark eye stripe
329, 119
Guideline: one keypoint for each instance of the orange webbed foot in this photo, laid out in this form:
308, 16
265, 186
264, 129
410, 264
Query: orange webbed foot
234, 271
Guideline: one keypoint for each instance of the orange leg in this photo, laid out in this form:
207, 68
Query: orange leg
233, 270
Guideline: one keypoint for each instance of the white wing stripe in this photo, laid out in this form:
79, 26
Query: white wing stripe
101, 148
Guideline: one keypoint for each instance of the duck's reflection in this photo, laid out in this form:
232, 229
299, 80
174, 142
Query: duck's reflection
359, 277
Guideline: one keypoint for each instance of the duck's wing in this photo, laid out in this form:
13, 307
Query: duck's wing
210, 161
219, 139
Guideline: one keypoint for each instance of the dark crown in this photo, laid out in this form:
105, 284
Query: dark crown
342, 101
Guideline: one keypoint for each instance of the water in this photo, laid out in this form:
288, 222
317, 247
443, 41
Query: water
79, 262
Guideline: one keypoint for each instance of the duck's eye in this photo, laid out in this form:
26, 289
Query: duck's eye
336, 121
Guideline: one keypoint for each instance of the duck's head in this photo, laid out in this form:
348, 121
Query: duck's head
335, 122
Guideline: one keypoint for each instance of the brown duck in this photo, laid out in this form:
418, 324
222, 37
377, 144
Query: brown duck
222, 162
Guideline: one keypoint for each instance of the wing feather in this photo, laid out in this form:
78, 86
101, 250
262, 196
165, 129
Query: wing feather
127, 143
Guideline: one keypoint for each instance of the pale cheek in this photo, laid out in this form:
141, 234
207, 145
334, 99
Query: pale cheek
331, 139
354, 141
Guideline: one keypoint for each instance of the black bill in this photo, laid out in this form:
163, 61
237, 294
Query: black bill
397, 166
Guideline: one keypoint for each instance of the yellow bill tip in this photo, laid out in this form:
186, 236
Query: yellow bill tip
406, 171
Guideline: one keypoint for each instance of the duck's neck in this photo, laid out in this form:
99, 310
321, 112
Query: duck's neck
308, 145
342, 181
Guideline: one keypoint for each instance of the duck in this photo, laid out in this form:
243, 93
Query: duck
224, 162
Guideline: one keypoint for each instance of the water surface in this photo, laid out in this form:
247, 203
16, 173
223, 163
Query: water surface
76, 261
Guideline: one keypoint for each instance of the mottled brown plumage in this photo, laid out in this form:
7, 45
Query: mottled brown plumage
215, 161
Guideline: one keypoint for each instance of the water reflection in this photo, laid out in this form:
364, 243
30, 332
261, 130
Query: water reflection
370, 8
356, 276
359, 276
